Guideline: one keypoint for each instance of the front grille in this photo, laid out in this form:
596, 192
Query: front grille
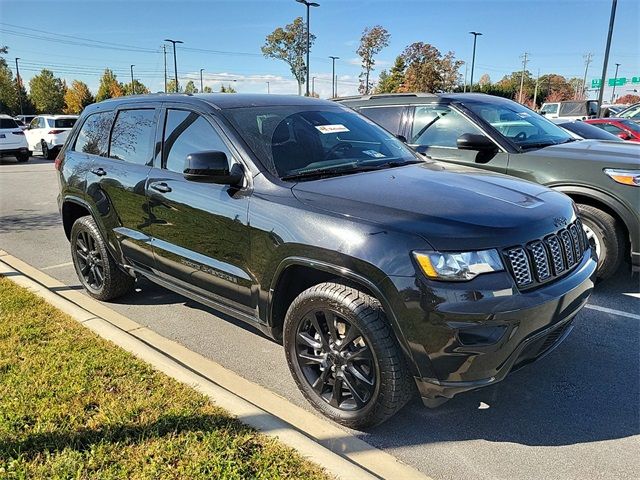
541, 261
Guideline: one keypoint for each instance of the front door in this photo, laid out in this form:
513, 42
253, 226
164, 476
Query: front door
200, 230
435, 131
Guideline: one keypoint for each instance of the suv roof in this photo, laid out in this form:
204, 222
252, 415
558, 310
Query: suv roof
414, 98
54, 116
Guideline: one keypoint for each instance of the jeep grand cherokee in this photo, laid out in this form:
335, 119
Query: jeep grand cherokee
378, 270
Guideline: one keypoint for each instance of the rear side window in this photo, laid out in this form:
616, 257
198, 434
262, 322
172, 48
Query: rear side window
64, 122
388, 118
610, 128
8, 123
133, 135
187, 132
93, 137
550, 108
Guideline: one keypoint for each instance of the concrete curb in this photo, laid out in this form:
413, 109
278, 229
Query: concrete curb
342, 454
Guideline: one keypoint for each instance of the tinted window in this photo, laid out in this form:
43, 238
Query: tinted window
550, 108
610, 128
64, 122
132, 136
93, 137
8, 123
387, 117
586, 130
187, 132
631, 125
439, 126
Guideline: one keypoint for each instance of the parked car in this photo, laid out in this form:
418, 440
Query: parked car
46, 133
500, 135
12, 140
611, 110
631, 113
25, 119
374, 266
623, 128
583, 131
570, 110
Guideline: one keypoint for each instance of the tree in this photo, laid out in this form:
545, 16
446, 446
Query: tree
140, 88
427, 70
171, 86
391, 82
289, 44
628, 98
8, 93
47, 92
207, 89
190, 87
109, 86
227, 89
372, 42
484, 81
77, 97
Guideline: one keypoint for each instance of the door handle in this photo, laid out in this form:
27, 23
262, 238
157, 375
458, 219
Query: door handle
161, 187
99, 171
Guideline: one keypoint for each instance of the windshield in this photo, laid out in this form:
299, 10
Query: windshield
631, 112
64, 122
588, 131
297, 140
523, 127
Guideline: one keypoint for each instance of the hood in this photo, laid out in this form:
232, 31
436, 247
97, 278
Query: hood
609, 154
451, 207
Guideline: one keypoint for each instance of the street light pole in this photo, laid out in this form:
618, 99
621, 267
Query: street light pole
613, 94
19, 85
473, 58
308, 5
313, 85
612, 18
133, 86
164, 52
175, 62
334, 92
268, 88
201, 84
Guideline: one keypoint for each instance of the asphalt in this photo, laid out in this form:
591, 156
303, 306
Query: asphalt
573, 414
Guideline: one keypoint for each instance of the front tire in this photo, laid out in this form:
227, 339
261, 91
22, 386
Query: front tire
344, 356
606, 238
97, 271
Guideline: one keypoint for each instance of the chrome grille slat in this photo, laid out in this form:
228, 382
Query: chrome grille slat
540, 261
520, 265
556, 254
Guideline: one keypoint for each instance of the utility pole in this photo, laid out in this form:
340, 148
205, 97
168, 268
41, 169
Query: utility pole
313, 85
613, 93
535, 92
175, 61
466, 66
614, 4
525, 59
587, 60
268, 88
308, 5
164, 52
334, 90
133, 86
19, 85
473, 58
201, 84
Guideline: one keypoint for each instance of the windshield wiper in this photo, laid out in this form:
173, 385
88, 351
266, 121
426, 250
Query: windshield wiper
329, 172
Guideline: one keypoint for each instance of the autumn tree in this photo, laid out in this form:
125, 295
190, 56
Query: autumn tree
427, 70
190, 87
372, 42
47, 92
484, 81
628, 98
109, 86
8, 93
171, 86
137, 88
77, 97
392, 81
289, 44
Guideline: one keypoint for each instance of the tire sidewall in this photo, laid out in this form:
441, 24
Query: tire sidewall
86, 224
599, 231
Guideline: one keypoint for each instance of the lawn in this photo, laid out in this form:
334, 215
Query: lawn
73, 405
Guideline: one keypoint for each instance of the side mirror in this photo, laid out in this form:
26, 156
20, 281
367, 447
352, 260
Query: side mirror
624, 136
474, 141
543, 113
402, 138
211, 167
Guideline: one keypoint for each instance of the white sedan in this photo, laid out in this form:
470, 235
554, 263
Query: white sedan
47, 133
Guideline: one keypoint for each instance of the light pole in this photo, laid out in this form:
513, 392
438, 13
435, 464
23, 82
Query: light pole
309, 5
201, 84
133, 86
613, 94
164, 52
175, 62
313, 85
612, 19
333, 76
473, 58
268, 88
19, 85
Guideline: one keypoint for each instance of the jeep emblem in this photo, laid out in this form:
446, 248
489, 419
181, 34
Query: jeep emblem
560, 221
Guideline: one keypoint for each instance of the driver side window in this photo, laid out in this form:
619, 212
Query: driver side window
439, 126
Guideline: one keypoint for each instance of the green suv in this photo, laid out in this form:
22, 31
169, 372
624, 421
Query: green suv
503, 136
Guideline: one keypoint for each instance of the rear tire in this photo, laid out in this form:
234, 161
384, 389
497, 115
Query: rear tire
47, 152
606, 237
97, 271
22, 157
337, 335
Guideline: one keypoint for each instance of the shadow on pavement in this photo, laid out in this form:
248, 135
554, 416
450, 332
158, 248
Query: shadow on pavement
26, 220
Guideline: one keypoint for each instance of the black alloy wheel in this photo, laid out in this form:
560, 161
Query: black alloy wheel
90, 262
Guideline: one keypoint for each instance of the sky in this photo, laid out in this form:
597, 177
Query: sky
78, 39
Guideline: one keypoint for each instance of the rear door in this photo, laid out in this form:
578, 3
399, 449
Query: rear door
117, 182
35, 133
434, 130
200, 230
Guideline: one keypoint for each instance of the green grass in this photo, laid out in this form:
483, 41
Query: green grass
73, 405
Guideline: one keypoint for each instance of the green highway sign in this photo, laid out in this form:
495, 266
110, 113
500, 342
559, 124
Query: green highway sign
635, 80
595, 83
617, 82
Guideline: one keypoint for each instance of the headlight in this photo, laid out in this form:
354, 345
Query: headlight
458, 266
625, 177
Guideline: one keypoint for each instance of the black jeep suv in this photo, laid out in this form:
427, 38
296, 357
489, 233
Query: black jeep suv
373, 266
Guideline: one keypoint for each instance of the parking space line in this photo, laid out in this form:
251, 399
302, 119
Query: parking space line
633, 295
60, 265
613, 312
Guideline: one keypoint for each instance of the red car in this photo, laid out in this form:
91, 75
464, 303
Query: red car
621, 127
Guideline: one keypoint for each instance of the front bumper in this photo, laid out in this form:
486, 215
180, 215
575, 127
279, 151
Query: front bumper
468, 335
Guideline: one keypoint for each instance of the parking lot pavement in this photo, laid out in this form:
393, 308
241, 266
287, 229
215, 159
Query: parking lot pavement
573, 414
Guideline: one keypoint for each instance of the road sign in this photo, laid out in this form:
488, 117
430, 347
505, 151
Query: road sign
617, 82
595, 83
635, 80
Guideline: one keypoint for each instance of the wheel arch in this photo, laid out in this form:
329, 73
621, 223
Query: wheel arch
72, 209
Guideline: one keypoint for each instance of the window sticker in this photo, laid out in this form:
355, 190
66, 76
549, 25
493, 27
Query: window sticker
337, 128
373, 153
523, 114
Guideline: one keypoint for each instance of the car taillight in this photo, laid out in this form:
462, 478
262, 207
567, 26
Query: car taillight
58, 162
18, 133
55, 132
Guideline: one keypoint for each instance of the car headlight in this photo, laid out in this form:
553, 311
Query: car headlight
458, 266
625, 177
